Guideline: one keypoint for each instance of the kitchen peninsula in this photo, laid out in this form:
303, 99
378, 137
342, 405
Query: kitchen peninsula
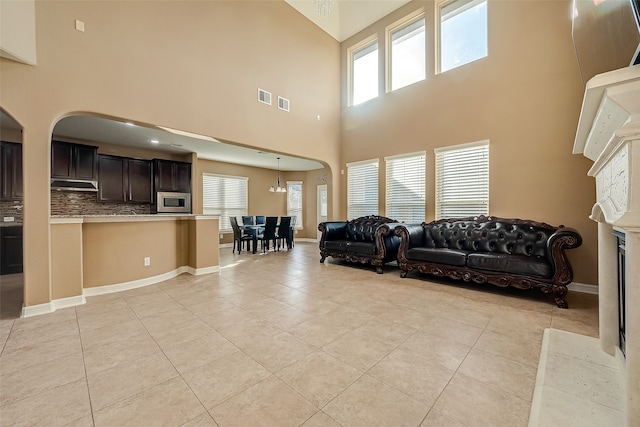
99, 254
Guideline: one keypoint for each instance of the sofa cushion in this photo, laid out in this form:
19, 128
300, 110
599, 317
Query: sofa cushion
336, 245
514, 264
438, 255
362, 248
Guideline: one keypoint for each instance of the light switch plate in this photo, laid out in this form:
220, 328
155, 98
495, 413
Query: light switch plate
79, 25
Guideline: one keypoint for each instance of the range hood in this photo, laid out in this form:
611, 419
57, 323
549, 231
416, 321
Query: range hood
73, 185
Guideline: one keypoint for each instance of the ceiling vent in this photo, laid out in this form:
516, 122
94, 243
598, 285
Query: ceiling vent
264, 96
283, 104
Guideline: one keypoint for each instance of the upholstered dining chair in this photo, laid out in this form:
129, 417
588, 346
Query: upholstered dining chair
259, 219
284, 232
247, 220
269, 233
238, 236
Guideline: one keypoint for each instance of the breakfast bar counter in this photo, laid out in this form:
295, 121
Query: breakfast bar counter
97, 254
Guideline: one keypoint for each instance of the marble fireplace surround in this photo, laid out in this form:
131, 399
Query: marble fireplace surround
609, 135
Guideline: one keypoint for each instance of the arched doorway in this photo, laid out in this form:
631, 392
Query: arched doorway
11, 215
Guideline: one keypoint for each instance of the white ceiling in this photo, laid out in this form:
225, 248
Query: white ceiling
347, 17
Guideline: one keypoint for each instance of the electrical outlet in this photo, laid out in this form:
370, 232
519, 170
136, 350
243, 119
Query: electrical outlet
147, 261
221, 236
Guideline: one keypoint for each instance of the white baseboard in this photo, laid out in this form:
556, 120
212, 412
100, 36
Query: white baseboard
134, 284
50, 307
206, 270
583, 288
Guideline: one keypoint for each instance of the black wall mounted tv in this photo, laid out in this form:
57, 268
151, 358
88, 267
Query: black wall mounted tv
606, 35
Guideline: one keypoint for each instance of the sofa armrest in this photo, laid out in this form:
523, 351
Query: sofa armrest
411, 234
390, 239
563, 238
332, 230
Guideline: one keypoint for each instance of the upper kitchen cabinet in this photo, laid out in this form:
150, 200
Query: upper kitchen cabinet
10, 171
172, 176
73, 161
124, 180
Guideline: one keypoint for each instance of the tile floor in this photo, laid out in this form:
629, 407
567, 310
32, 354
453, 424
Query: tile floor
279, 339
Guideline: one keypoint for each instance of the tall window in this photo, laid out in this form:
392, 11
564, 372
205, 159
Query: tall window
463, 32
364, 73
406, 187
362, 189
408, 53
224, 196
294, 202
462, 180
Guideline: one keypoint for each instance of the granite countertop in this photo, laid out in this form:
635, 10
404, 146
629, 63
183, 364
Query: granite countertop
66, 219
11, 224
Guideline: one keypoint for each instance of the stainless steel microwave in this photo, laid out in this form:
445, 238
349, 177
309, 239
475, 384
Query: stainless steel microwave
168, 202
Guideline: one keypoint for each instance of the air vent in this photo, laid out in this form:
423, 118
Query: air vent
283, 103
264, 96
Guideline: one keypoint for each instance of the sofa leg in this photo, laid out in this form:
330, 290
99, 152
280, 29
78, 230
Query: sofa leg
379, 269
322, 258
559, 292
403, 273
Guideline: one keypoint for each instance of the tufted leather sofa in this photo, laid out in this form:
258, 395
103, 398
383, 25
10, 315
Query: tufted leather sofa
368, 240
504, 252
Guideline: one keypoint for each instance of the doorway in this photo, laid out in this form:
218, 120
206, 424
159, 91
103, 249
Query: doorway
321, 204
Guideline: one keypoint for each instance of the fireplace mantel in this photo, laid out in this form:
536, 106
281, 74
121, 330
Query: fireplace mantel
609, 134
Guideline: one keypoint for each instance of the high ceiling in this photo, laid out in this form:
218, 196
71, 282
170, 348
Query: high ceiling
346, 18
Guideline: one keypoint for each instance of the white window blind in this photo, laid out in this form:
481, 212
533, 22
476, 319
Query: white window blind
362, 189
294, 202
224, 196
462, 180
406, 187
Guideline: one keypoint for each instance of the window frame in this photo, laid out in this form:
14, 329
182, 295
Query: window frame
223, 212
408, 20
439, 5
391, 189
351, 52
439, 152
362, 207
299, 220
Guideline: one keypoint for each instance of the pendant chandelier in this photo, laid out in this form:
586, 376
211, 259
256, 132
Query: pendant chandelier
277, 188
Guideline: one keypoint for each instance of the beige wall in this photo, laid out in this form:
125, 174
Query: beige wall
66, 260
525, 97
193, 66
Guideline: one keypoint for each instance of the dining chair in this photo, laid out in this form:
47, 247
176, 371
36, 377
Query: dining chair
259, 219
247, 220
284, 232
268, 234
238, 236
292, 232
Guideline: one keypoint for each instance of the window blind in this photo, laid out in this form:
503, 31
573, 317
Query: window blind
462, 180
224, 196
294, 202
406, 187
362, 189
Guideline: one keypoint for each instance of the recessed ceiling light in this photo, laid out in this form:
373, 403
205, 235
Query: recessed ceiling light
155, 141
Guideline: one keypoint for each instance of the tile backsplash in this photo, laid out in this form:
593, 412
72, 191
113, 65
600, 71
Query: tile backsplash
77, 203
11, 208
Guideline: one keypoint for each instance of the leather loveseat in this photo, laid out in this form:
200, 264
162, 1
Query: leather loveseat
504, 252
368, 240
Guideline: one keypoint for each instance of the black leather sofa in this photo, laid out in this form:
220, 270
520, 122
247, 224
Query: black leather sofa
368, 240
504, 252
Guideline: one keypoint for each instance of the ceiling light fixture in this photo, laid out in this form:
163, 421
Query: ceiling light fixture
277, 188
324, 6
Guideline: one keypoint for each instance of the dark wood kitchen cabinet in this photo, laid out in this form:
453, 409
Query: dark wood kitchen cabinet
10, 171
122, 179
11, 250
73, 161
172, 176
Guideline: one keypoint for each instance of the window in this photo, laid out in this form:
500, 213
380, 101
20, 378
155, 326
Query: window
408, 53
294, 202
462, 180
364, 72
224, 196
406, 187
463, 32
362, 189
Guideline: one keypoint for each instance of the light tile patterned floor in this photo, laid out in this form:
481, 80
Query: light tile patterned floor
279, 339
